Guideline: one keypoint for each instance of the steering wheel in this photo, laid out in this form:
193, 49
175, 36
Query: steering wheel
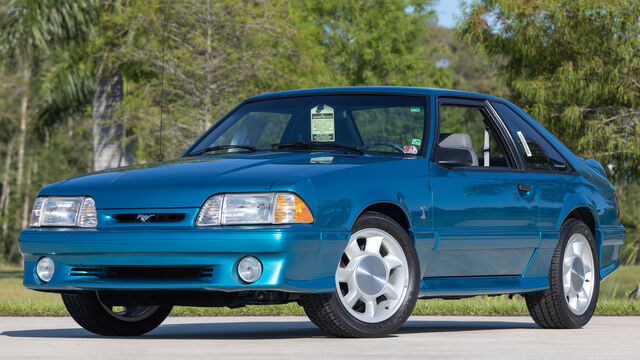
388, 143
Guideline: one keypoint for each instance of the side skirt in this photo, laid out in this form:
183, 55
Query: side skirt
480, 285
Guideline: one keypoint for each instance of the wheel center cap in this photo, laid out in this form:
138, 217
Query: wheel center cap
577, 274
371, 275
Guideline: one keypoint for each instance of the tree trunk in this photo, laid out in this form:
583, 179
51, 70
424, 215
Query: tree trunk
24, 118
108, 133
70, 127
6, 196
24, 107
26, 202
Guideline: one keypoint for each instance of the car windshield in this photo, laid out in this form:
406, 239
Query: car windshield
358, 124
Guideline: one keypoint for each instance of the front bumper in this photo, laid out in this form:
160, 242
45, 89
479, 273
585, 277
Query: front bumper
295, 258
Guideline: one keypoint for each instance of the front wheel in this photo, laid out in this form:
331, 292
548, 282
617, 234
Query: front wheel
574, 281
377, 282
93, 315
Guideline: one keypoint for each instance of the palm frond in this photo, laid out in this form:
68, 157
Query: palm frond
32, 25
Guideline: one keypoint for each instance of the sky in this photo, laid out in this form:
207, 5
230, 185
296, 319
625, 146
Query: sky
446, 11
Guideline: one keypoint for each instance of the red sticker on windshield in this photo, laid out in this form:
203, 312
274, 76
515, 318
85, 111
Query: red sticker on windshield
410, 149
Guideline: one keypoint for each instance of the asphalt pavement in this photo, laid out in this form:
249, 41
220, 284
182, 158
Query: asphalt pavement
434, 337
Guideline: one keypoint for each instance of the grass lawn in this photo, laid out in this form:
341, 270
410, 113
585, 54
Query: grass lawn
18, 301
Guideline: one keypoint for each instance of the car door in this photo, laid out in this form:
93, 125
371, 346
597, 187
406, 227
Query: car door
548, 171
485, 212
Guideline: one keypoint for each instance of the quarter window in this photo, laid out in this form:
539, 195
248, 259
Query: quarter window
536, 152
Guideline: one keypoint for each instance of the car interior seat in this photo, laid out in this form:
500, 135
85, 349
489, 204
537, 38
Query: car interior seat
458, 141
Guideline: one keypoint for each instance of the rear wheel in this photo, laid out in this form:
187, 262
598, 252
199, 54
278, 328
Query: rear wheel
95, 316
574, 281
377, 282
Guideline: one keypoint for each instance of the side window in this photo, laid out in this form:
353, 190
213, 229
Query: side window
536, 151
468, 138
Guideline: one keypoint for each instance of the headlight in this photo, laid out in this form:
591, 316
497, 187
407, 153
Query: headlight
69, 211
256, 208
247, 208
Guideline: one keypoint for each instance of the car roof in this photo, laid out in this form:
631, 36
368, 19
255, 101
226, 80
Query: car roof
372, 89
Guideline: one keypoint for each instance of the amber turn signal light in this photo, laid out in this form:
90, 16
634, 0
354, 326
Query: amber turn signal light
291, 209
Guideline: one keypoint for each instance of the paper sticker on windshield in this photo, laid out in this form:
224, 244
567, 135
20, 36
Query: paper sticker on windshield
410, 149
322, 124
524, 143
416, 142
415, 109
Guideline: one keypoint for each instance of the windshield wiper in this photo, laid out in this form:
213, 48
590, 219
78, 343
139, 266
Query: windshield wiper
318, 144
251, 148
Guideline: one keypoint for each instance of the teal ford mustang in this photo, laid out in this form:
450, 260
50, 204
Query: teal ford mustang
353, 202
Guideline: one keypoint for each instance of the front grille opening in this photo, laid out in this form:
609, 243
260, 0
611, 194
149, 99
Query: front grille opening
144, 272
159, 272
87, 271
150, 218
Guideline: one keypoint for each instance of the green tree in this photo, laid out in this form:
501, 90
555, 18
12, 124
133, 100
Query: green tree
10, 93
219, 52
629, 196
216, 54
381, 42
29, 32
471, 69
574, 65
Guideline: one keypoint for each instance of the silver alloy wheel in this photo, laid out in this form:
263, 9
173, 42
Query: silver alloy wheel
373, 276
578, 274
130, 313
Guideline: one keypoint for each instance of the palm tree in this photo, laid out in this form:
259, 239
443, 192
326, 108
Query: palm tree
31, 30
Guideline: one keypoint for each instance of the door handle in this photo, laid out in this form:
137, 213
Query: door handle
524, 187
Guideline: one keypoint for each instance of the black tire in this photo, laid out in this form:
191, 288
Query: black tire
549, 308
87, 310
327, 311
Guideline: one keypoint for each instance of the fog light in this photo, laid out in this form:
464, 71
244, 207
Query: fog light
45, 268
249, 269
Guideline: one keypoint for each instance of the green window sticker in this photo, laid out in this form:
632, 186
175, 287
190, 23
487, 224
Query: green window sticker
416, 142
415, 109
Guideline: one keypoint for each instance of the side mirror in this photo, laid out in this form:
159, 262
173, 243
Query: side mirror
450, 157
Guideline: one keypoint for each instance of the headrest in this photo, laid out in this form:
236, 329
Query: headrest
455, 141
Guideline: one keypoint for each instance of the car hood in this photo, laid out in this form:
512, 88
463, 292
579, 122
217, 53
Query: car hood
188, 182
